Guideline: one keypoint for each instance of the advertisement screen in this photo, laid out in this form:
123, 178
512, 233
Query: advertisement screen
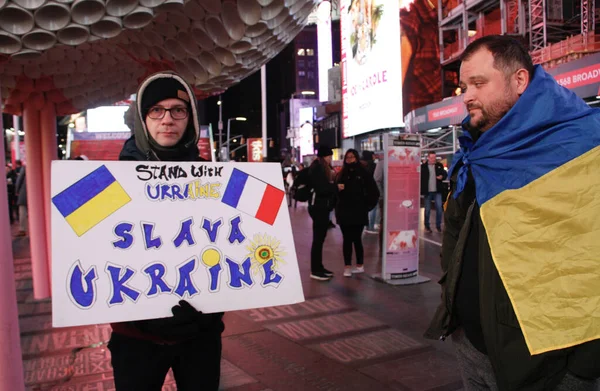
371, 69
324, 47
107, 119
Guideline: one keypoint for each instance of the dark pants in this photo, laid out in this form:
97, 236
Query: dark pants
437, 197
352, 235
140, 365
478, 374
12, 207
320, 218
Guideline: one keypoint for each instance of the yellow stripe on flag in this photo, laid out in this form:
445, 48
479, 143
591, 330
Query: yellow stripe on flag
98, 208
545, 244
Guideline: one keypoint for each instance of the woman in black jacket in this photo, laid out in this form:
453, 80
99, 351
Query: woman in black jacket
357, 195
320, 205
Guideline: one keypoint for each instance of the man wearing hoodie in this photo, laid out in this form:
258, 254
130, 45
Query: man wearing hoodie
166, 128
519, 249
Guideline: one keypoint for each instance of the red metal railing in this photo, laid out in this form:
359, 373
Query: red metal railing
566, 50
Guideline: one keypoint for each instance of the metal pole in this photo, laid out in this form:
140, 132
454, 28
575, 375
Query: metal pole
503, 17
454, 138
227, 142
11, 360
17, 138
292, 126
49, 153
220, 126
263, 98
35, 201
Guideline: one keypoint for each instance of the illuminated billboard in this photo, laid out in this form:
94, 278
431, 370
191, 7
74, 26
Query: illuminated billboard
371, 70
324, 47
107, 119
255, 150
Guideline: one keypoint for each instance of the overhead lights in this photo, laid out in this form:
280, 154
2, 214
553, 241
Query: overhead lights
434, 130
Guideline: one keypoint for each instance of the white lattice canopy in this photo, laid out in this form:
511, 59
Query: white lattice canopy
80, 54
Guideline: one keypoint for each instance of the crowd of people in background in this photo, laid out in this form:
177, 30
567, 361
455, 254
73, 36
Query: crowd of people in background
354, 196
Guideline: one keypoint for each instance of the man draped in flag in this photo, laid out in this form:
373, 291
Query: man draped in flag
520, 252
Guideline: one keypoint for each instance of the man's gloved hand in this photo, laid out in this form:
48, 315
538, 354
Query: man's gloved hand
186, 323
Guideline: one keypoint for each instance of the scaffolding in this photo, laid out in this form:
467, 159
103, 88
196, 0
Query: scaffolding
552, 37
588, 19
443, 142
538, 36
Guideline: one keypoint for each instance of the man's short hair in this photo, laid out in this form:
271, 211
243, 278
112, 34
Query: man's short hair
509, 53
431, 153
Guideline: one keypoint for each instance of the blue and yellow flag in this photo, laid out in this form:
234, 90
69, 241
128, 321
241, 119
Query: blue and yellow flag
90, 200
538, 185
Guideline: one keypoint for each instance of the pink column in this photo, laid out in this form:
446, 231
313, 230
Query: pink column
35, 202
11, 363
49, 153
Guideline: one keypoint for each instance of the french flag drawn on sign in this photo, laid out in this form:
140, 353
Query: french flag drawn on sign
253, 196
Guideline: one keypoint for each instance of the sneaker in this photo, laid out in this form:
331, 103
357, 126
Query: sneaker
328, 273
439, 229
347, 272
427, 229
371, 232
319, 276
358, 269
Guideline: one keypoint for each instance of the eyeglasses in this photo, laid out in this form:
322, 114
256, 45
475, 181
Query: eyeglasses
177, 112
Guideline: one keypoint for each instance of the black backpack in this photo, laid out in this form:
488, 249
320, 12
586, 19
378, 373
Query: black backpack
302, 186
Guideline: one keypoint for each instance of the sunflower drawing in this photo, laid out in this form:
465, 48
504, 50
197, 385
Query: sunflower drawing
263, 249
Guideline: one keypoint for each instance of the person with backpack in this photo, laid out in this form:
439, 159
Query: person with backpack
320, 184
301, 189
357, 195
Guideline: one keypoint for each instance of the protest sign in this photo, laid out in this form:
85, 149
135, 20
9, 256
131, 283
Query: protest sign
131, 239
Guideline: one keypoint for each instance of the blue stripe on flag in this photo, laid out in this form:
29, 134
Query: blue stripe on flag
79, 193
234, 189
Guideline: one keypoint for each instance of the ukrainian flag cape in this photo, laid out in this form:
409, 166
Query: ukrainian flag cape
537, 174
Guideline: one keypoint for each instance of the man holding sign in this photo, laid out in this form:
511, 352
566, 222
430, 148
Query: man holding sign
166, 129
145, 242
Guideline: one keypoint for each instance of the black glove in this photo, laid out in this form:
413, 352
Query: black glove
186, 323
204, 322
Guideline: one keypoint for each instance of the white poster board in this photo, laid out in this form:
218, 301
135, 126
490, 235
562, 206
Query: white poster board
131, 239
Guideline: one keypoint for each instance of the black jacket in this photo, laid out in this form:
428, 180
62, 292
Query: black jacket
439, 170
323, 188
138, 147
359, 196
514, 367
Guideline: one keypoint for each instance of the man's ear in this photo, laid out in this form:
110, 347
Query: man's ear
522, 80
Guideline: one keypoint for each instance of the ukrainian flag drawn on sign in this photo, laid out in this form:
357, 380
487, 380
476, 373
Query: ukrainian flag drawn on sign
538, 186
90, 200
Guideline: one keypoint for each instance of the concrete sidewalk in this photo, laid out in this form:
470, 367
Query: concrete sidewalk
350, 334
